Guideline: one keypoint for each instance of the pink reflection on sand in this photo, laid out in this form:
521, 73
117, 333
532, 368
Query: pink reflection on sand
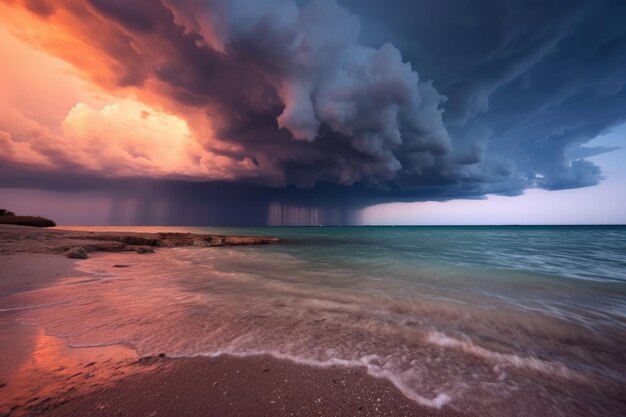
53, 373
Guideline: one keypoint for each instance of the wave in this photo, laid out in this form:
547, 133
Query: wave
524, 362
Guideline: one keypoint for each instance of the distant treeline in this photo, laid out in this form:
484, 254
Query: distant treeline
8, 217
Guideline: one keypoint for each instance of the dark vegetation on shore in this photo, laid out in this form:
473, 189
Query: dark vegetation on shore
8, 217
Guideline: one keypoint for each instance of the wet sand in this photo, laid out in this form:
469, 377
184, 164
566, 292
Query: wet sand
40, 375
253, 386
26, 271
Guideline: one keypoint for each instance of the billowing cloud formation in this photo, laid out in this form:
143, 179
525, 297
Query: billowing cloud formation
286, 87
282, 93
539, 79
121, 139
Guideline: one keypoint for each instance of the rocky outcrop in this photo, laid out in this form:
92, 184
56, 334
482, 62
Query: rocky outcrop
30, 239
105, 247
247, 240
145, 249
76, 253
172, 240
139, 240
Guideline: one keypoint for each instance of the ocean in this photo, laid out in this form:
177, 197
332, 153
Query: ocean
511, 320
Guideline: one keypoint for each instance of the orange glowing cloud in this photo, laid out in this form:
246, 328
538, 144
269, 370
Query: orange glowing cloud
128, 138
63, 104
124, 138
69, 30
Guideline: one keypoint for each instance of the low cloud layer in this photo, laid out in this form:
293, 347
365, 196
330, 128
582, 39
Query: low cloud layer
406, 101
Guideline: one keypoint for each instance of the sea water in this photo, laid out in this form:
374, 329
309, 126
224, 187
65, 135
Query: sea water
489, 320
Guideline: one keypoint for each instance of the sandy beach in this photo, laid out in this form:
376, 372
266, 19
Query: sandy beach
40, 375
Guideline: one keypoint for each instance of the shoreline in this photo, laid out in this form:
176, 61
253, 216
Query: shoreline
27, 239
42, 375
246, 386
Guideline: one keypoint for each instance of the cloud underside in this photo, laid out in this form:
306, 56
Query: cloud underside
283, 96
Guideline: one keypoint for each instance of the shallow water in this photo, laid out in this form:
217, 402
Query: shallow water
490, 320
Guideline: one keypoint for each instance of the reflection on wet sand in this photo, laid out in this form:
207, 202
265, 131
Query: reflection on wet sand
53, 373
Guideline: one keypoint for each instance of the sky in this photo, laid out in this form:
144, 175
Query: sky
282, 112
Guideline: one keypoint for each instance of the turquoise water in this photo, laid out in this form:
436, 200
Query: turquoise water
588, 252
488, 320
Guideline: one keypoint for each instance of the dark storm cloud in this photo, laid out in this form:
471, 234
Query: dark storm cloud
525, 84
292, 87
334, 105
541, 79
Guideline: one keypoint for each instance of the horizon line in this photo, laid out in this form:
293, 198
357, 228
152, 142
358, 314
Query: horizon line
354, 225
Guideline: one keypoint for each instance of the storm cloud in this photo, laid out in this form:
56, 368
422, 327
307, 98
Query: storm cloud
331, 104
539, 79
